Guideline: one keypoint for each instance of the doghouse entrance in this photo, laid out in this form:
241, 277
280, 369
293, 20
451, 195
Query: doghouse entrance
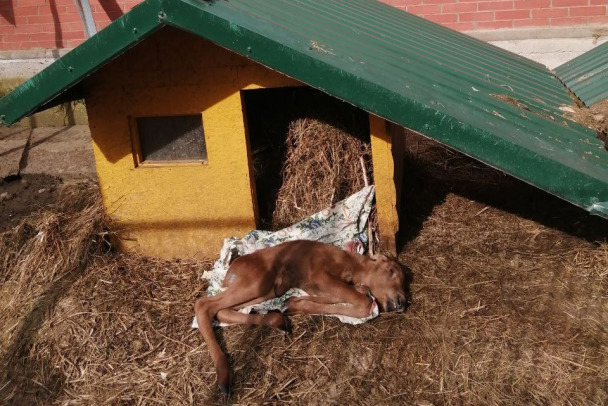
270, 113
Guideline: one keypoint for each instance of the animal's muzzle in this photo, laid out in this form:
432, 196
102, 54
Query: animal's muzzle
398, 305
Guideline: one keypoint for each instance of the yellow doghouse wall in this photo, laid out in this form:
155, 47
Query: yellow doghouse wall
176, 209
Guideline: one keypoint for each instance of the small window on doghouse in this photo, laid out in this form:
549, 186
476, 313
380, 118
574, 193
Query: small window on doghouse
171, 138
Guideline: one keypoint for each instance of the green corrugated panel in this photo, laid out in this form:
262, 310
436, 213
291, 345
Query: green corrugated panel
486, 102
587, 75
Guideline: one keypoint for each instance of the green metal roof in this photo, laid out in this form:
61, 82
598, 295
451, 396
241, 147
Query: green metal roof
587, 75
479, 99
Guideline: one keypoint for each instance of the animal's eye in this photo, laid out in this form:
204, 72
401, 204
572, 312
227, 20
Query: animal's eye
391, 271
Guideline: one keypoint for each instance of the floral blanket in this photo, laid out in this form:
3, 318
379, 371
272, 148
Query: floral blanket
344, 223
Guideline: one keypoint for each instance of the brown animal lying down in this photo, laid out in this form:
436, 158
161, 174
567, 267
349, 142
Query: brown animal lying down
336, 280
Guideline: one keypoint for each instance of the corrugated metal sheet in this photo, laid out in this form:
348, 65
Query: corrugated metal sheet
486, 102
587, 75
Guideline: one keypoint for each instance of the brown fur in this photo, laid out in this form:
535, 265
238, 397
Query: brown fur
336, 280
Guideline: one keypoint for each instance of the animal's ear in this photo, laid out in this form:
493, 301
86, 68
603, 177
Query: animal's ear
350, 247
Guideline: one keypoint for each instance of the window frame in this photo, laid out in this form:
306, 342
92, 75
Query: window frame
138, 158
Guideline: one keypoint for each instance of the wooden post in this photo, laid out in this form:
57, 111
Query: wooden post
384, 175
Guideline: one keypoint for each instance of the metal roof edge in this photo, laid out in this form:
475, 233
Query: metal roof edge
580, 188
72, 68
587, 75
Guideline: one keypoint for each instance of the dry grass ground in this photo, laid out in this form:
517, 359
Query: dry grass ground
510, 305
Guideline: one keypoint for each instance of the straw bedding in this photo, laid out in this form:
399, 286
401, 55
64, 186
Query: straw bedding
322, 167
510, 307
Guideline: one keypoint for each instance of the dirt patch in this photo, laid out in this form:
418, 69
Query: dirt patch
510, 305
25, 195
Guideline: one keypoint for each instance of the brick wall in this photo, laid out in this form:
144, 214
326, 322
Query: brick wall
469, 15
32, 24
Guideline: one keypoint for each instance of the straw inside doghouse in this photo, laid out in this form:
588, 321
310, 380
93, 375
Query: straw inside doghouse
322, 167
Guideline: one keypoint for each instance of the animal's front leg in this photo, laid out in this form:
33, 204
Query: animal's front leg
336, 297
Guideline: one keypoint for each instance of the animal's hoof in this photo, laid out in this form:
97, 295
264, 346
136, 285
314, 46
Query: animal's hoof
224, 375
285, 328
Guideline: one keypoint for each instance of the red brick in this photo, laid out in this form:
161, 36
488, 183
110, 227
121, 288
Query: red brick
482, 16
495, 5
550, 13
512, 15
568, 3
41, 19
461, 26
425, 9
102, 24
30, 29
43, 36
591, 11
30, 3
569, 21
442, 18
48, 44
485, 25
598, 19
48, 27
530, 4
438, 1
130, 4
18, 37
6, 30
74, 35
25, 45
533, 22
27, 11
72, 43
68, 9
598, 2
20, 20
69, 18
76, 26
98, 17
459, 8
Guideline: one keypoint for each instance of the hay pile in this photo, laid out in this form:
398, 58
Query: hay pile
510, 306
594, 117
322, 167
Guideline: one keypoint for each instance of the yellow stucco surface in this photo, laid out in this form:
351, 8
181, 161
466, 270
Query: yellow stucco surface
176, 209
384, 175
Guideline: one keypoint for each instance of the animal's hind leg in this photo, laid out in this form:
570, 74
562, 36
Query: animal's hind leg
244, 290
230, 316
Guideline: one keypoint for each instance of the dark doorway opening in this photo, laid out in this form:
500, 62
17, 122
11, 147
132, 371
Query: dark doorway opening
268, 114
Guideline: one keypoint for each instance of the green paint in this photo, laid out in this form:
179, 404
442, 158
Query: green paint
587, 75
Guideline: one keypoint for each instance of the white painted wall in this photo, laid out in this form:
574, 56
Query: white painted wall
548, 46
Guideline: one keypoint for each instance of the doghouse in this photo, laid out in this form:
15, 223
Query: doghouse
166, 87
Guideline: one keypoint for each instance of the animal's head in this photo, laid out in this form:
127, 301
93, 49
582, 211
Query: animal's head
389, 283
